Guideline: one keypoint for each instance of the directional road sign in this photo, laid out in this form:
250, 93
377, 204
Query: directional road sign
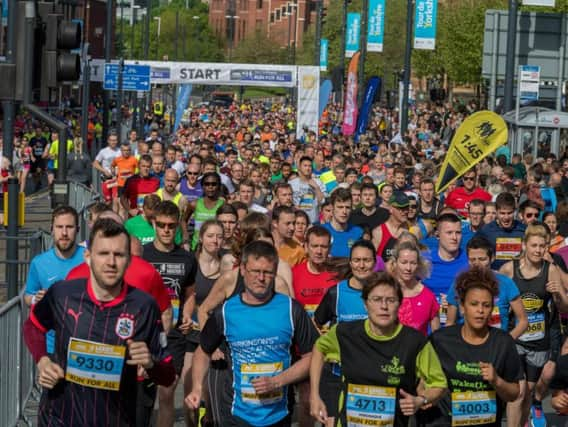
134, 77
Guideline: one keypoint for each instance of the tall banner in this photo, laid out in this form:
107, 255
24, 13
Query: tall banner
425, 24
324, 47
477, 137
373, 86
308, 100
325, 92
181, 103
350, 111
352, 34
376, 27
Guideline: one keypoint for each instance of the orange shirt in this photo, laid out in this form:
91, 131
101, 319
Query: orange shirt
125, 167
291, 252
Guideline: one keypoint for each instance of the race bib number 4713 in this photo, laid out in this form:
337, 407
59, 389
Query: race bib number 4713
370, 405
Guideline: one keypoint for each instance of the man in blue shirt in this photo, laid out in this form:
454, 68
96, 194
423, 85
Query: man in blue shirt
53, 265
343, 234
480, 255
448, 259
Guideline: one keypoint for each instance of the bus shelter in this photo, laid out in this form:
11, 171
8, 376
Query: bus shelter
537, 130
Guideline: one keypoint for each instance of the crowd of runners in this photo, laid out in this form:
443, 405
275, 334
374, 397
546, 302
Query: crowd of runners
314, 278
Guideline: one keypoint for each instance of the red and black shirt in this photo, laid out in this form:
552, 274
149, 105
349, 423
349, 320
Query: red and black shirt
71, 309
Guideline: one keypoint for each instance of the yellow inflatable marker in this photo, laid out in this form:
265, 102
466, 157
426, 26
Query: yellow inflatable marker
477, 137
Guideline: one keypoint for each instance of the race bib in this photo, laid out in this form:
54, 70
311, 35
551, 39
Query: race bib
310, 309
443, 311
473, 408
495, 319
536, 329
370, 405
95, 365
508, 247
140, 200
175, 309
306, 202
250, 371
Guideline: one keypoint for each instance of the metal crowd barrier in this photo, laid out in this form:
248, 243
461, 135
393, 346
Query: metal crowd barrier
17, 368
81, 197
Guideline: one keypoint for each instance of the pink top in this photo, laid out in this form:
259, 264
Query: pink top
417, 311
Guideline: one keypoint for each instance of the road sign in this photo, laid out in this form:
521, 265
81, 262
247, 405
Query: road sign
134, 77
529, 78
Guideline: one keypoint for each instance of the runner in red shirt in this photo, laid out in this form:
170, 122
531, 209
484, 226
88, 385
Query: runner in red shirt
139, 186
311, 281
460, 198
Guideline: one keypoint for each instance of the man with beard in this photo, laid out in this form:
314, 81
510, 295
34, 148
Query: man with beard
169, 191
91, 379
260, 350
54, 264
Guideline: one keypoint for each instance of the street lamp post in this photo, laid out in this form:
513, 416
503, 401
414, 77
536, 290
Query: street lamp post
231, 22
134, 11
159, 19
407, 63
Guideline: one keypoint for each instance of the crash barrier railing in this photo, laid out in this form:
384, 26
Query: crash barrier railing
17, 368
81, 197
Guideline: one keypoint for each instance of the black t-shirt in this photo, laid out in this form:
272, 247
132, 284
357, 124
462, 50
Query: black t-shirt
80, 323
38, 144
178, 269
460, 362
379, 217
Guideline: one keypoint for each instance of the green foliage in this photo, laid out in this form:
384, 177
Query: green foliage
259, 49
196, 41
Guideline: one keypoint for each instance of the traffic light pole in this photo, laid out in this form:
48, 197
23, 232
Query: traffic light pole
9, 108
85, 105
108, 51
119, 98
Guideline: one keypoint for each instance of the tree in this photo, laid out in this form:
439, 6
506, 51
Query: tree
259, 49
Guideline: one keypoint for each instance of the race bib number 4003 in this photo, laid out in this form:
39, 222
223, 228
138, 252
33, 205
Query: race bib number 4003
93, 364
370, 405
473, 408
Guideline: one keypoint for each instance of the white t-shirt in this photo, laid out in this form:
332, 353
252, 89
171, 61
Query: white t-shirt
106, 156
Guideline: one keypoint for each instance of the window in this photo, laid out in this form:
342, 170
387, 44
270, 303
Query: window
259, 4
278, 14
272, 17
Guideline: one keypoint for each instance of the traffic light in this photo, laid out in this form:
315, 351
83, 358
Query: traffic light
61, 37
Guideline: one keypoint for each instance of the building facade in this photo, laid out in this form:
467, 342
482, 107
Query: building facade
283, 21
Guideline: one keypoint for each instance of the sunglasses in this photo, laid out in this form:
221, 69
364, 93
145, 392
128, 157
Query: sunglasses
469, 178
193, 173
530, 215
210, 184
411, 206
166, 225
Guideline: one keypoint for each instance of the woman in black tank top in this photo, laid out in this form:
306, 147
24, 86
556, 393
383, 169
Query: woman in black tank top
208, 259
541, 289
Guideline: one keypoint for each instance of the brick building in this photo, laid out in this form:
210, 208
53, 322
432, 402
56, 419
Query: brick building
283, 21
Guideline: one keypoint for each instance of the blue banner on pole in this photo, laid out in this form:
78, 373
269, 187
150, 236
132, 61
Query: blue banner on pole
182, 103
352, 34
373, 86
425, 24
4, 12
325, 92
376, 27
324, 47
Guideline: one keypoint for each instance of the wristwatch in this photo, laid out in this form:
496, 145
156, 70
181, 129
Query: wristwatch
424, 399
